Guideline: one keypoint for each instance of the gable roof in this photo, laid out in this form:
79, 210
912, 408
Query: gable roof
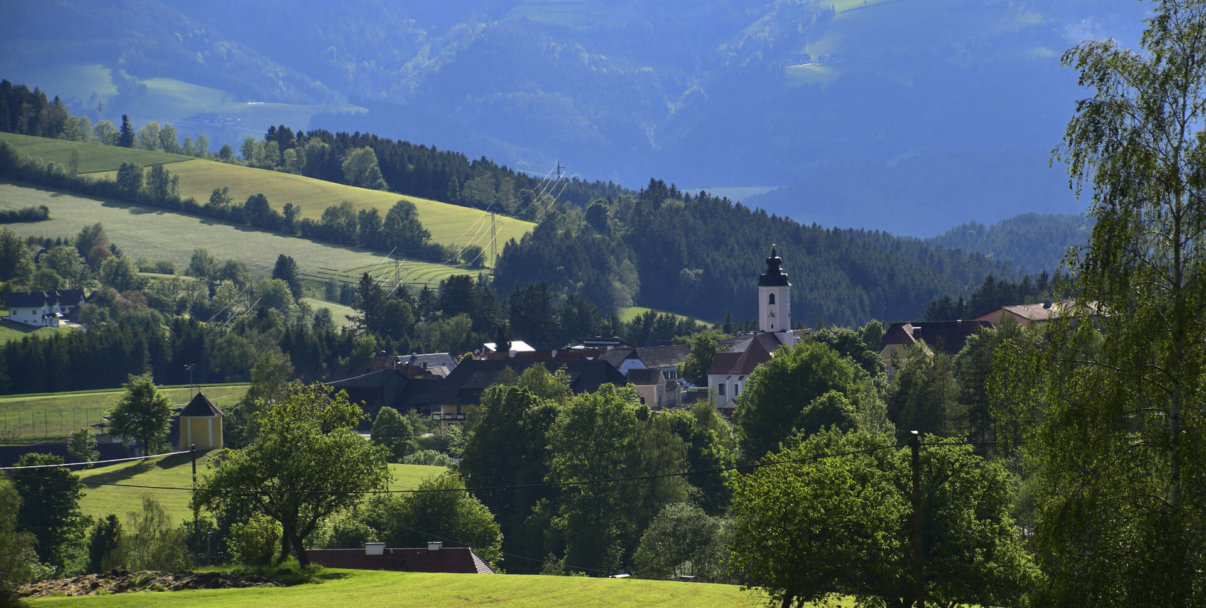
759, 350
617, 356
36, 299
663, 356
644, 377
200, 406
948, 336
25, 300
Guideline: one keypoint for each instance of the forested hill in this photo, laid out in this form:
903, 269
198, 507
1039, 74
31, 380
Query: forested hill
1033, 242
702, 255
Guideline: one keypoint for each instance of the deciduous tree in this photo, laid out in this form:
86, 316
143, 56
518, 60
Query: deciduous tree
142, 413
1115, 422
306, 463
832, 515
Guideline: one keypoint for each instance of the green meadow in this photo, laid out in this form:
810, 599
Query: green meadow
632, 312
11, 330
448, 224
119, 488
27, 419
92, 157
164, 236
373, 589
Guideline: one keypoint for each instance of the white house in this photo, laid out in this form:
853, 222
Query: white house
44, 308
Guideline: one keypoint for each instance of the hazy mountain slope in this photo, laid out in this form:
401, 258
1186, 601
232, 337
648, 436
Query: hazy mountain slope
704, 94
1033, 242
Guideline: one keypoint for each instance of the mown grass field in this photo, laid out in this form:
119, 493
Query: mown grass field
11, 330
26, 419
372, 589
161, 235
448, 224
112, 489
92, 157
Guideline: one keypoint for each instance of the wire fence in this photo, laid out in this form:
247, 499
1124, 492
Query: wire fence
24, 426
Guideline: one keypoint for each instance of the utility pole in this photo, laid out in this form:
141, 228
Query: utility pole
560, 168
918, 570
493, 240
196, 510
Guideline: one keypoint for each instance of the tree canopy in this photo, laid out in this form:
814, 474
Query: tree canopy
832, 515
306, 463
1110, 402
143, 413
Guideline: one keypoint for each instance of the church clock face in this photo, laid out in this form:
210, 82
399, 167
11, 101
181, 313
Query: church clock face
771, 313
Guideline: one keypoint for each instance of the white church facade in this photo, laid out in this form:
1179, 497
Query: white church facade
730, 371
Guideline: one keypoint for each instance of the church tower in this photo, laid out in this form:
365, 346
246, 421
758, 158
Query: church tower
774, 299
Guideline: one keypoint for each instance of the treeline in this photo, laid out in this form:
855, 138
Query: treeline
30, 113
1032, 241
701, 255
26, 214
993, 294
419, 170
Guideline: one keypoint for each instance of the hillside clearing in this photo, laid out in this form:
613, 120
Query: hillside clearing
164, 236
370, 589
92, 157
448, 224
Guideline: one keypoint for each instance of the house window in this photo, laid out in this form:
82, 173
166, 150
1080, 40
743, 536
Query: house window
736, 389
720, 389
771, 300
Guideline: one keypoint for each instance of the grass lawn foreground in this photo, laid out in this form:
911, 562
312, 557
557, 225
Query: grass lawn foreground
370, 589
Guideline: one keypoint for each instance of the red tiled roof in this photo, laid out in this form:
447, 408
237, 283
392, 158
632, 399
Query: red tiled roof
760, 350
448, 559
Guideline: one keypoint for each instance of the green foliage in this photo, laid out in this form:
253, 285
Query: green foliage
924, 395
154, 541
306, 464
360, 169
254, 541
104, 543
81, 446
439, 510
142, 414
779, 391
506, 446
49, 510
711, 447
703, 350
604, 435
18, 560
1110, 403
833, 516
1034, 242
394, 432
683, 540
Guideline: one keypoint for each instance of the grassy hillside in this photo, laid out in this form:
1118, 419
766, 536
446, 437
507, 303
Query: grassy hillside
92, 157
26, 419
11, 330
369, 589
161, 235
171, 481
448, 224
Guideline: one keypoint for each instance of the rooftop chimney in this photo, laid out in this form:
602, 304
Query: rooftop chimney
434, 545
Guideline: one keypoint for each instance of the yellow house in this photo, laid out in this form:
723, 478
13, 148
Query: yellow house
200, 424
